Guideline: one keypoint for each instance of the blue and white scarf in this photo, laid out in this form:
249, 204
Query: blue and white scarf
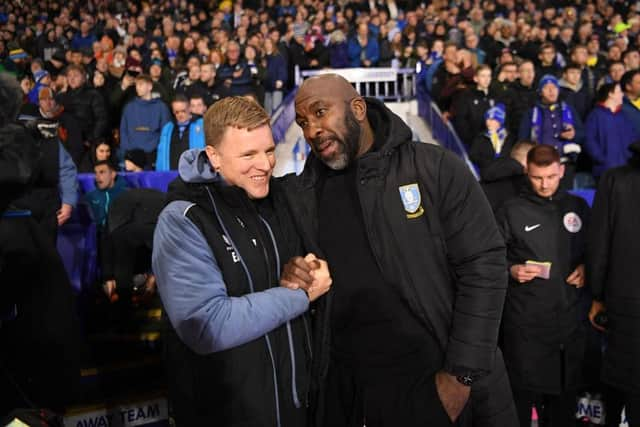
536, 118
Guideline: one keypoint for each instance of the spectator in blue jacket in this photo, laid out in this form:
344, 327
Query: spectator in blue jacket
234, 74
142, 120
630, 84
275, 77
108, 186
41, 79
183, 133
338, 50
83, 39
608, 131
433, 63
363, 48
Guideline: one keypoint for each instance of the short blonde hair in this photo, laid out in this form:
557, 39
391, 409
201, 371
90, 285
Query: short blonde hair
235, 111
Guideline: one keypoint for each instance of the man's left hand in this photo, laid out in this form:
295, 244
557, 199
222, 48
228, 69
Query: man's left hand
577, 277
64, 213
452, 394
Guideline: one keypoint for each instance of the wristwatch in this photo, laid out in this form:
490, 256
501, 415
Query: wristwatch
465, 380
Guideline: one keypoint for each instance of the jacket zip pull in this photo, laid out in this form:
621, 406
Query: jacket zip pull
250, 279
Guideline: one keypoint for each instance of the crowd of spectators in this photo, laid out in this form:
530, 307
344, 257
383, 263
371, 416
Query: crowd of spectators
115, 67
126, 84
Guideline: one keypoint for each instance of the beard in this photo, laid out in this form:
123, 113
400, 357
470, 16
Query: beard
347, 147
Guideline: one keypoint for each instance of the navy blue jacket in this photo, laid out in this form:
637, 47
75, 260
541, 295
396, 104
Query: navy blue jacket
548, 135
372, 51
276, 70
239, 85
608, 136
339, 55
141, 124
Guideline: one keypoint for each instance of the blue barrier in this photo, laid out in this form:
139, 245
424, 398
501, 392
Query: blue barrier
77, 241
284, 115
441, 129
586, 194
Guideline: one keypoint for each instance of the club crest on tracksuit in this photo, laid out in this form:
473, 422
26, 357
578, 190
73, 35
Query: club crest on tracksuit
572, 222
411, 199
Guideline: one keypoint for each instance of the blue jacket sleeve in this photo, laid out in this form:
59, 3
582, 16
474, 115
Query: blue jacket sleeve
244, 79
68, 178
281, 73
579, 126
373, 51
592, 142
194, 294
354, 49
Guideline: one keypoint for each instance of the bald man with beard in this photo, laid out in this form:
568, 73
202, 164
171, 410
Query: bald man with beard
408, 334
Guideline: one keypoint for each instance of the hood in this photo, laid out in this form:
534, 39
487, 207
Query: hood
566, 85
381, 118
390, 132
194, 167
502, 168
527, 192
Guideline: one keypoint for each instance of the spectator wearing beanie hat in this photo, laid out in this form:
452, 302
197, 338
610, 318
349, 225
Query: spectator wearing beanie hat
495, 142
135, 160
552, 121
42, 79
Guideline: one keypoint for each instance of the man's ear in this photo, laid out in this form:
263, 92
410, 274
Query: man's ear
561, 170
359, 108
214, 156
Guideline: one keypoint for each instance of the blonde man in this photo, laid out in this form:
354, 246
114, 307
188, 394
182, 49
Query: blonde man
238, 344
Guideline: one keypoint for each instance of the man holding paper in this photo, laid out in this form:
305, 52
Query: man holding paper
545, 233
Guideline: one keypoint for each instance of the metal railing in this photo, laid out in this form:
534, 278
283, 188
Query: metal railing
386, 84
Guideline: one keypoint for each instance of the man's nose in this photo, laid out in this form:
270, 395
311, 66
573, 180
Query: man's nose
263, 162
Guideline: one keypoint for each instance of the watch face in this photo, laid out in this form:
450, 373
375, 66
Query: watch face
465, 379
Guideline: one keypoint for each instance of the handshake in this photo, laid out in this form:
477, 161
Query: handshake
309, 274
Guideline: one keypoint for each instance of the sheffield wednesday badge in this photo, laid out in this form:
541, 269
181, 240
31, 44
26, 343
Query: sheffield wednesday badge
411, 199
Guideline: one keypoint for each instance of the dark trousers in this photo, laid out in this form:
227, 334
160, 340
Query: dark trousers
409, 398
382, 399
615, 400
553, 410
126, 252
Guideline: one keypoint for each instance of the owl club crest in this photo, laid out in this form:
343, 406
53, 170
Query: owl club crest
411, 200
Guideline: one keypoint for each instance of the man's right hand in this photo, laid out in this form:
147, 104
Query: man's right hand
109, 289
309, 273
127, 81
596, 307
524, 273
